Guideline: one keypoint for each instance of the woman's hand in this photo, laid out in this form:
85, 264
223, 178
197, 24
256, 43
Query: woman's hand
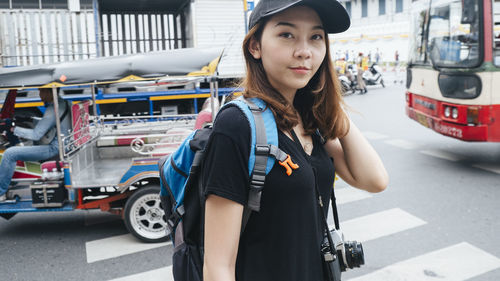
356, 162
222, 236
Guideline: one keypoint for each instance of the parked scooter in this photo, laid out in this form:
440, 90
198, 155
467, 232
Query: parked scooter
348, 80
347, 86
373, 76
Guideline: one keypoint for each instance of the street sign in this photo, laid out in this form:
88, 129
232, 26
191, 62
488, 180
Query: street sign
250, 5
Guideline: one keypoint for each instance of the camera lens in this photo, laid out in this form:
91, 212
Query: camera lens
354, 254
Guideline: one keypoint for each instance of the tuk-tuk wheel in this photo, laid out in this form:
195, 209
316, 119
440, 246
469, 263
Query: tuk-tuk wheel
144, 216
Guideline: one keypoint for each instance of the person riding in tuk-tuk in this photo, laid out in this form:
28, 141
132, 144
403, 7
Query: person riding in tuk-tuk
43, 135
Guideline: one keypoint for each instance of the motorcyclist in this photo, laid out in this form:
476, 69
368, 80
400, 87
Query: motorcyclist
47, 143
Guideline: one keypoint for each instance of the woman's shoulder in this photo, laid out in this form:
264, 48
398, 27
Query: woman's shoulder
231, 121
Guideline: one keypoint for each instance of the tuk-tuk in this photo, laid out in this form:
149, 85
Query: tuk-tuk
105, 162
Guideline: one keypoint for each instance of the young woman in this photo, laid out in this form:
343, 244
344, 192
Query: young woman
289, 67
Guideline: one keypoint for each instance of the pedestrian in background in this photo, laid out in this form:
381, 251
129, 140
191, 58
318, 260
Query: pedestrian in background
359, 78
289, 67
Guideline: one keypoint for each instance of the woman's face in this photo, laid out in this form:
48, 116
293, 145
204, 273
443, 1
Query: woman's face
292, 48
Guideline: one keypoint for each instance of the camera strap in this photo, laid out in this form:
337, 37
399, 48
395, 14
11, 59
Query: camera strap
321, 209
334, 209
333, 199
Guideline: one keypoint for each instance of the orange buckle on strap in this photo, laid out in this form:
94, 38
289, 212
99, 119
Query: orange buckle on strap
288, 165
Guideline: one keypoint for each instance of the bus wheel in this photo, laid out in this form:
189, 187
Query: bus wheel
144, 216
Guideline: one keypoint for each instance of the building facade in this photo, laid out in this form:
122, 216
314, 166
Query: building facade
52, 31
46, 31
377, 26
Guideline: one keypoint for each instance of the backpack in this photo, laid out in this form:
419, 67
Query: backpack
182, 193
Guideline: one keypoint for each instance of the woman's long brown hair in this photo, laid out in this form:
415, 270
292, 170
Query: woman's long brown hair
319, 103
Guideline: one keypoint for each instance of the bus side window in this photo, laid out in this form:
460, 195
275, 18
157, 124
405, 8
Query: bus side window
419, 42
496, 32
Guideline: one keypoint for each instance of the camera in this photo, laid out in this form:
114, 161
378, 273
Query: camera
343, 254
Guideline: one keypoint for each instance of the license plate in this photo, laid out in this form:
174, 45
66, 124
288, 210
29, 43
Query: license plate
424, 120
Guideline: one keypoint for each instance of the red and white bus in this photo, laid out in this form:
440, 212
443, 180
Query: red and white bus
453, 78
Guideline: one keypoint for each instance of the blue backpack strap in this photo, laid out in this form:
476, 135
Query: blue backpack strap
271, 131
261, 155
264, 149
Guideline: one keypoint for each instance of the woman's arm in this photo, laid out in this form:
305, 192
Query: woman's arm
222, 235
47, 122
356, 162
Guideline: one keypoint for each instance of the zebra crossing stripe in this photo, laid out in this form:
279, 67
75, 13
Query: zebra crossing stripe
488, 167
441, 154
455, 263
350, 194
116, 246
379, 224
402, 143
161, 274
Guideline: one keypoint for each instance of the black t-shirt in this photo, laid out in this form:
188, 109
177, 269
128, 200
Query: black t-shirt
282, 241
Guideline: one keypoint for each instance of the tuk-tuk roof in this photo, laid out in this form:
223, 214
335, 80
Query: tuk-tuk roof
146, 66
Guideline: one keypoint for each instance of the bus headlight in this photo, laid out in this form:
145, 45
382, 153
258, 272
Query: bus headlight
459, 86
454, 113
447, 111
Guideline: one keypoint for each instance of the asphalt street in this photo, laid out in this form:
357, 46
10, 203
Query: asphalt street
437, 220
451, 186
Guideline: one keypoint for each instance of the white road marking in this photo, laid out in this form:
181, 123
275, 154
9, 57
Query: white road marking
455, 263
488, 167
402, 143
161, 274
350, 194
116, 246
374, 135
379, 224
441, 154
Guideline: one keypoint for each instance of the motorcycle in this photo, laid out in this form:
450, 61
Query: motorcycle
373, 76
348, 80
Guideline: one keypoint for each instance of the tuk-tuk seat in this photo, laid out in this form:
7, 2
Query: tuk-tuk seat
203, 118
80, 122
51, 164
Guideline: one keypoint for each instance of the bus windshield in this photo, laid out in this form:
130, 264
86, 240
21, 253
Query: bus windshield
448, 34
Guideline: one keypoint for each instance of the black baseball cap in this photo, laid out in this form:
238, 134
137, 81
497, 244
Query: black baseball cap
333, 15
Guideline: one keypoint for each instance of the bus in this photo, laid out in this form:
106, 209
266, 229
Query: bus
453, 76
